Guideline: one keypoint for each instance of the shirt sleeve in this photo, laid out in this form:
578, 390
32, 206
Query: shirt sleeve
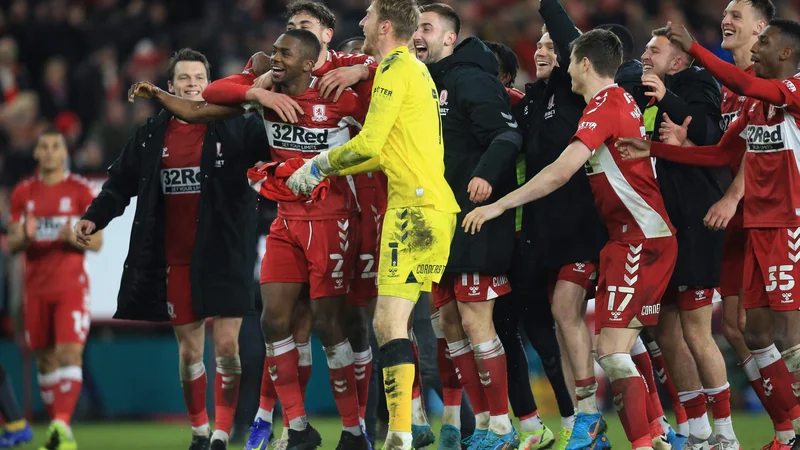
86, 197
728, 151
231, 89
18, 204
388, 95
596, 126
347, 60
782, 93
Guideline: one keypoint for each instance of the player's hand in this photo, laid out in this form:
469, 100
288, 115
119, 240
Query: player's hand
655, 86
337, 80
673, 134
29, 226
67, 235
286, 108
261, 63
305, 179
721, 213
83, 232
633, 148
474, 221
264, 81
679, 35
479, 190
143, 89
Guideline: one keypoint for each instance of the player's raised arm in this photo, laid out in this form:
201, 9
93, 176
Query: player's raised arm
561, 28
191, 111
548, 180
774, 91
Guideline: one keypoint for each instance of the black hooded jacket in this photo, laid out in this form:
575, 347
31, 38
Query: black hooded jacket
689, 191
563, 227
480, 140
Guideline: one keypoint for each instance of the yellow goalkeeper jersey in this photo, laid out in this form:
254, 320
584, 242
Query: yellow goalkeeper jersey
402, 134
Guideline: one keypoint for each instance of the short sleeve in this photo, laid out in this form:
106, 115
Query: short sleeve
595, 128
86, 195
18, 200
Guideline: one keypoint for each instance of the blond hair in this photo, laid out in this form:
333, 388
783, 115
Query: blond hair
404, 15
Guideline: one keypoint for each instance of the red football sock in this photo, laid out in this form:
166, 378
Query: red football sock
48, 389
283, 359
363, 371
791, 358
493, 372
696, 406
343, 382
629, 397
451, 387
193, 380
416, 389
777, 380
267, 396
660, 366
720, 401
71, 382
226, 391
467, 370
780, 418
645, 366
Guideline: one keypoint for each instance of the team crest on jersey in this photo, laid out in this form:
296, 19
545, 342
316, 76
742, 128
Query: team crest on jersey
443, 98
550, 107
65, 205
318, 113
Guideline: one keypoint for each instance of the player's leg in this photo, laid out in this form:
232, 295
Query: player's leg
421, 433
659, 427
787, 338
461, 353
695, 311
229, 373
17, 430
450, 434
490, 357
664, 377
394, 306
613, 348
533, 433
682, 368
40, 337
358, 318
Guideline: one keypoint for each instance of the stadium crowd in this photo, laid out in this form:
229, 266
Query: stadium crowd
407, 168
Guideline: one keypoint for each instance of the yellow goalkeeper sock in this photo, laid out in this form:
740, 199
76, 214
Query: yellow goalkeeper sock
398, 380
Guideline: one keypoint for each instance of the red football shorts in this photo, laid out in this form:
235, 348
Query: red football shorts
584, 274
179, 295
732, 267
469, 287
317, 252
633, 278
365, 281
57, 318
771, 272
689, 298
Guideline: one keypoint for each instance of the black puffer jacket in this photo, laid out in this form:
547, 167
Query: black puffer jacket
224, 249
480, 140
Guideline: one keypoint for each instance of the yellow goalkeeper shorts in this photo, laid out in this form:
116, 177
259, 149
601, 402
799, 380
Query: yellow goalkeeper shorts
415, 246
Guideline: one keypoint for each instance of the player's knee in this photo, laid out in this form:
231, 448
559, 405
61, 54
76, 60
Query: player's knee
46, 361
190, 352
731, 331
69, 355
566, 318
226, 344
757, 339
274, 327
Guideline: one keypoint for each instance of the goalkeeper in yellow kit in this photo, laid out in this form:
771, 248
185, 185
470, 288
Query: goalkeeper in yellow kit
402, 135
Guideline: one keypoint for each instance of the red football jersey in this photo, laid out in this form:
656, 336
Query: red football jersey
50, 263
180, 184
772, 162
626, 193
515, 96
324, 126
731, 107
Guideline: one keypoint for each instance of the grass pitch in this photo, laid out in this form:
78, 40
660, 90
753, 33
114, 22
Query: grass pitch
753, 431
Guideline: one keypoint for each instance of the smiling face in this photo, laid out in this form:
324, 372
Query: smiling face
739, 24
190, 80
287, 61
545, 57
370, 26
766, 53
431, 38
659, 57
50, 152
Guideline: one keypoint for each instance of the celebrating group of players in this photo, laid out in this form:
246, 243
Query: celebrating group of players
395, 175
